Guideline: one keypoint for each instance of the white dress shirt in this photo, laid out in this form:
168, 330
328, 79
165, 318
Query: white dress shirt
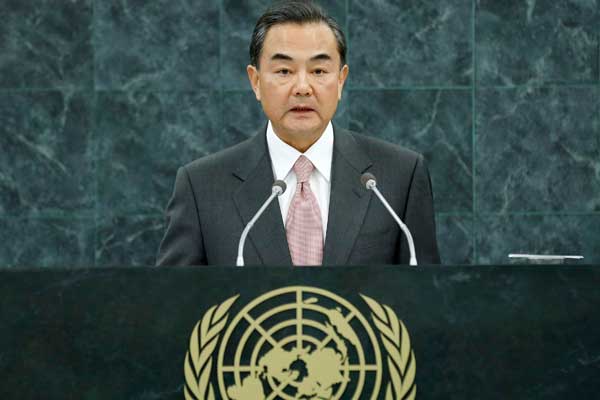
320, 154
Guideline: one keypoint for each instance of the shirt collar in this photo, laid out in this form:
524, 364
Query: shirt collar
283, 156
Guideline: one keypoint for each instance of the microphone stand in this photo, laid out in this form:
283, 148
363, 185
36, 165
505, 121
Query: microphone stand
371, 184
277, 189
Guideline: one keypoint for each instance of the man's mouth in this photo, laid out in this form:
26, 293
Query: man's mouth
302, 109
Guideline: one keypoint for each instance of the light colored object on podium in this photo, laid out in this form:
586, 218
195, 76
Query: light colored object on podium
545, 258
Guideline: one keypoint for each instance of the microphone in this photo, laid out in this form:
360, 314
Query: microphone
368, 180
276, 190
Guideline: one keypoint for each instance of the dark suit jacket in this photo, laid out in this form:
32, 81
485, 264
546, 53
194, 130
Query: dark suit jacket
216, 196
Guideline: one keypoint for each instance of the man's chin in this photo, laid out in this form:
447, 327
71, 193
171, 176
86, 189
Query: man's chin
305, 131
304, 126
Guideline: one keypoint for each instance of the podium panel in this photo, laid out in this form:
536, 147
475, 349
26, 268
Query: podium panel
379, 332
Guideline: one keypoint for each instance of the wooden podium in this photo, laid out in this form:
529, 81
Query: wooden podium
476, 332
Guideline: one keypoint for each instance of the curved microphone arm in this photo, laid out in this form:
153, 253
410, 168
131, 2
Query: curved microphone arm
370, 183
276, 190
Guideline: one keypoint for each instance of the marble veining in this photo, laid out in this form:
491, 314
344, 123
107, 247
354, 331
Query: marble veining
454, 233
538, 150
47, 153
46, 242
535, 42
156, 133
389, 38
46, 45
102, 101
122, 241
156, 45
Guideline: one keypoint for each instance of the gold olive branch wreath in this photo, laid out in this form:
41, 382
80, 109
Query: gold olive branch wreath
401, 358
198, 359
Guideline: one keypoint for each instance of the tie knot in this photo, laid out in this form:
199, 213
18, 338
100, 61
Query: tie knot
303, 168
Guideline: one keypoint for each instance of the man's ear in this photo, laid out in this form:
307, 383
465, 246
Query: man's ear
342, 79
254, 79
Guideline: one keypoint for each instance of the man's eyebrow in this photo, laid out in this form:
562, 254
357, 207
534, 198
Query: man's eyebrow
285, 57
280, 56
321, 57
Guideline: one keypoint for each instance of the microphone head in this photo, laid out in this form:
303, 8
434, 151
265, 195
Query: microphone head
279, 187
368, 180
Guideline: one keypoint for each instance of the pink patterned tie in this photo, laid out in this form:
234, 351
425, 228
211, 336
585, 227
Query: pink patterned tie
304, 226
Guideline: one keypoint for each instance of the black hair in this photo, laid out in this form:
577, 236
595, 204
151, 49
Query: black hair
298, 12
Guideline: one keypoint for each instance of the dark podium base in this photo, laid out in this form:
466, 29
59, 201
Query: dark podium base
518, 332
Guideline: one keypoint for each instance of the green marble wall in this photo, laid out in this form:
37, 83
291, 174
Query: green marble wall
102, 100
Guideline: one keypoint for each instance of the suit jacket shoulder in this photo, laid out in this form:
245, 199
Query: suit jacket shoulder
385, 152
403, 178
246, 153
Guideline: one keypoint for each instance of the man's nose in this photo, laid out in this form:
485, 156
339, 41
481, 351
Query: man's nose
302, 86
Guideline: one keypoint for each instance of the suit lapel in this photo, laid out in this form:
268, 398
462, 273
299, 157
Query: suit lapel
268, 234
347, 205
348, 199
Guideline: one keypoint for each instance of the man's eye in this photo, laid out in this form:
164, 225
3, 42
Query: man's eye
320, 71
283, 72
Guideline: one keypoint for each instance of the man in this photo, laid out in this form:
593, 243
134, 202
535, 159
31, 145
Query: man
325, 217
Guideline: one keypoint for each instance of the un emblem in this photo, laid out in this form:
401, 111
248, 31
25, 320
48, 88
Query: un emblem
299, 343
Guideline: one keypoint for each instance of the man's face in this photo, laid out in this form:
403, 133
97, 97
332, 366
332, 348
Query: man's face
299, 82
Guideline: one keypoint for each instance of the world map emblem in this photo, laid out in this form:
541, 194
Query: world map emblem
298, 343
